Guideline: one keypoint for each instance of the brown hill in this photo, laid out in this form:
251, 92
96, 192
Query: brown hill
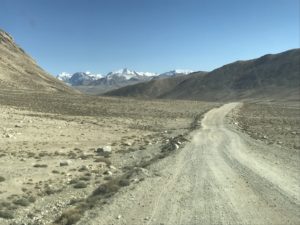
276, 75
18, 71
155, 88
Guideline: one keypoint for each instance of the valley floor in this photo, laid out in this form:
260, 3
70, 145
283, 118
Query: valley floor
221, 177
171, 162
50, 148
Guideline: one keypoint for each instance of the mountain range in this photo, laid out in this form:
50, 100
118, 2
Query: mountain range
96, 83
275, 75
272, 76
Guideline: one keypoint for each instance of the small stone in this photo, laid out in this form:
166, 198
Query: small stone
108, 172
106, 150
112, 167
135, 180
119, 217
83, 168
127, 143
8, 135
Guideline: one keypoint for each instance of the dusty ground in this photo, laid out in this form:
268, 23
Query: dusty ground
38, 133
221, 177
163, 169
272, 123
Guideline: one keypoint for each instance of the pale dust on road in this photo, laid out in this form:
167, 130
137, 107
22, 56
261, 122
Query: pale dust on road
216, 179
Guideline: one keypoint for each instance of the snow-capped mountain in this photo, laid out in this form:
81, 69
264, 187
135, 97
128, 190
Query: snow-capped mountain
79, 78
148, 74
64, 76
123, 74
176, 72
130, 74
97, 83
94, 76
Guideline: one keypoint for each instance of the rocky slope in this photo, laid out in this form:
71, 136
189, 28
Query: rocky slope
18, 71
276, 75
155, 88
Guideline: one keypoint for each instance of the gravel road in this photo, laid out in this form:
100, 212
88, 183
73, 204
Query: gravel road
221, 177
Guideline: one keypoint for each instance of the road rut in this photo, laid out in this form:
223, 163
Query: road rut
220, 177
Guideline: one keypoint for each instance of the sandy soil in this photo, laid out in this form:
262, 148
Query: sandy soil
221, 177
272, 123
38, 134
166, 167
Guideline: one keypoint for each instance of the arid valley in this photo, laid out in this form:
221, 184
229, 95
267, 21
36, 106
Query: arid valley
218, 146
54, 169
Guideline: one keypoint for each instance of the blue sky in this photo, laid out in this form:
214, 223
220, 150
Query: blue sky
149, 35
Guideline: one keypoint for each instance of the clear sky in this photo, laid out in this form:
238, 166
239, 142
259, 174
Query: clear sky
149, 35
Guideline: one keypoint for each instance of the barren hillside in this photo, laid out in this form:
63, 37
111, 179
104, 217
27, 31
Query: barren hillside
19, 71
274, 76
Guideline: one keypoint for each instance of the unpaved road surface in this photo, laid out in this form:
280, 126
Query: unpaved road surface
220, 177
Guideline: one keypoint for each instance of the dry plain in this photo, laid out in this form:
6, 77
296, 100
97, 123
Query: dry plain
92, 160
51, 149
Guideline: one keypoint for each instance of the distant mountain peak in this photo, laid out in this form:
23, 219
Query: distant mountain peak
176, 72
114, 79
123, 74
269, 77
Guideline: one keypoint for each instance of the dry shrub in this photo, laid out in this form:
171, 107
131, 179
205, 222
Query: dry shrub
69, 217
107, 189
80, 184
21, 202
104, 160
6, 214
40, 165
2, 179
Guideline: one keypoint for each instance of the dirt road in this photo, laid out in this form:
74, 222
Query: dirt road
221, 177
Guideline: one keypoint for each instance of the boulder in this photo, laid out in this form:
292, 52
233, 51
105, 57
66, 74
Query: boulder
104, 151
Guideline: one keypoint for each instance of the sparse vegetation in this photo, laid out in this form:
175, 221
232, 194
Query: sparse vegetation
104, 160
139, 125
40, 165
80, 184
69, 217
2, 179
6, 214
21, 202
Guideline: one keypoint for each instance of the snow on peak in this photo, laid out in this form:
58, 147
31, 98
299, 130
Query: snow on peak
123, 73
78, 77
64, 76
183, 71
176, 72
147, 74
120, 75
